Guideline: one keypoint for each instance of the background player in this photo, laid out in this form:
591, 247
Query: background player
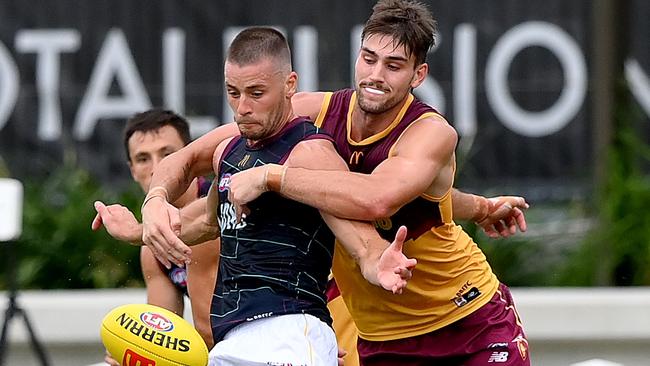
149, 137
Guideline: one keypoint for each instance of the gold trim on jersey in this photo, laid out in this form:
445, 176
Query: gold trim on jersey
378, 136
391, 152
323, 110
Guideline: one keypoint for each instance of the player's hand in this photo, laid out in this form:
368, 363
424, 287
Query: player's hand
119, 222
110, 360
505, 216
394, 269
161, 228
246, 186
341, 353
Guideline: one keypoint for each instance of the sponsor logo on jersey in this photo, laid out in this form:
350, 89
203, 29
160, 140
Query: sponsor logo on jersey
178, 276
242, 163
131, 358
498, 357
259, 316
498, 345
384, 224
522, 346
355, 158
142, 330
228, 217
224, 182
464, 296
157, 322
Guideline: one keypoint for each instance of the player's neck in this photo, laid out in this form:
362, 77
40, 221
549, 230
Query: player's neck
365, 124
287, 118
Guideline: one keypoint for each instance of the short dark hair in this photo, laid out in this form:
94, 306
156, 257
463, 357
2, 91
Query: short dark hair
410, 23
153, 120
255, 43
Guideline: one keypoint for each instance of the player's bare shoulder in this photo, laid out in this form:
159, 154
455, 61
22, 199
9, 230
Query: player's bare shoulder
431, 132
218, 151
315, 154
308, 104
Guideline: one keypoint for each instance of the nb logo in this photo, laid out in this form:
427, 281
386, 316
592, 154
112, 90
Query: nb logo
498, 357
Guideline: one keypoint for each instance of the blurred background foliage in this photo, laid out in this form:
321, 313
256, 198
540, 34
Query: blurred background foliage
57, 248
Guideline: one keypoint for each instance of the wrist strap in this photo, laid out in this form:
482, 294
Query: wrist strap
154, 192
275, 177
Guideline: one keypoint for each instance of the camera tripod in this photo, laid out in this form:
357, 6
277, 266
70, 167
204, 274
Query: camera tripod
14, 310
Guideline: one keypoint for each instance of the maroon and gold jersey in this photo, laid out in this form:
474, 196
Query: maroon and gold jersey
452, 278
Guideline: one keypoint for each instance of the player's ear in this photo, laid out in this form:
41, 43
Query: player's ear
421, 72
291, 85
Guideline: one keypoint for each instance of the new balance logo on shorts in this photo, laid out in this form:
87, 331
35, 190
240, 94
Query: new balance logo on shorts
498, 357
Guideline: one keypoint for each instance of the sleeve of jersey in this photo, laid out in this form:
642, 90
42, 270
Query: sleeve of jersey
323, 109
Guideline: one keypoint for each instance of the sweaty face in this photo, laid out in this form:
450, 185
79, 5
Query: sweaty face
384, 74
257, 94
147, 149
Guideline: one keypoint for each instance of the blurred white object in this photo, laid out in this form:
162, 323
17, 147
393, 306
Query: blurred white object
596, 362
11, 209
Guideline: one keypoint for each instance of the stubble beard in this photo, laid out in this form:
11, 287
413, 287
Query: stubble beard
374, 108
267, 128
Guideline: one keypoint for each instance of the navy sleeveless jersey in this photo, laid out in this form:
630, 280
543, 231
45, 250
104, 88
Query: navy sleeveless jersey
277, 259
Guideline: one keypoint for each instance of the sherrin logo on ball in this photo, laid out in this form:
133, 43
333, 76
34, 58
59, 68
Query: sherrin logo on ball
152, 336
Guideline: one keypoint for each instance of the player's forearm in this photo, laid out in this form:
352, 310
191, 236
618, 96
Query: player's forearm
130, 233
467, 206
198, 231
198, 221
135, 238
361, 241
340, 193
176, 171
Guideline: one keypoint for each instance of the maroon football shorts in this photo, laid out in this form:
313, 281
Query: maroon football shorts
491, 336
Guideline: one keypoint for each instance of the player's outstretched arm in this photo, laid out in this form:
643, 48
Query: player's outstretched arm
119, 222
381, 264
497, 216
170, 179
198, 221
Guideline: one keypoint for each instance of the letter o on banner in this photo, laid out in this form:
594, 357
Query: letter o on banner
553, 119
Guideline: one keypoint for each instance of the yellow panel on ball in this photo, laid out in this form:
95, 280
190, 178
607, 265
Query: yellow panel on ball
148, 335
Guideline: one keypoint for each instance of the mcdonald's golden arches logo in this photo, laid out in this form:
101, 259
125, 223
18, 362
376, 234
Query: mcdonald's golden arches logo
355, 157
384, 223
